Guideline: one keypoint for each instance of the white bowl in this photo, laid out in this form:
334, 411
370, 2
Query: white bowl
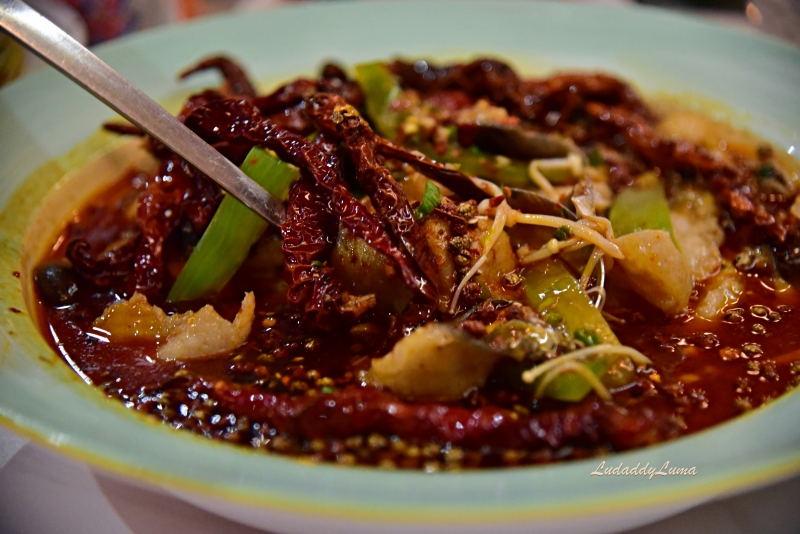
754, 81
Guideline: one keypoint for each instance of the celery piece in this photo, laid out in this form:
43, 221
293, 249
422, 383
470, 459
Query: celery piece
552, 291
640, 208
431, 198
232, 231
380, 89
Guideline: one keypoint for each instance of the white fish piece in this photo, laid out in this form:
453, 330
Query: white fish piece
655, 269
182, 336
697, 232
722, 291
434, 363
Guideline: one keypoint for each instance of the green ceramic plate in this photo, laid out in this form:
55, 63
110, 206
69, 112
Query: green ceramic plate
753, 80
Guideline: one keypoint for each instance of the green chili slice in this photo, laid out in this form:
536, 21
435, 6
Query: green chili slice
552, 291
380, 89
430, 200
643, 207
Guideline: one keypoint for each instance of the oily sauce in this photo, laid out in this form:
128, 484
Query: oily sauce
703, 372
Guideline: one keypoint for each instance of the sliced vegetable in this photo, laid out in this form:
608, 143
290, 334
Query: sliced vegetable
642, 207
552, 291
233, 230
380, 89
431, 198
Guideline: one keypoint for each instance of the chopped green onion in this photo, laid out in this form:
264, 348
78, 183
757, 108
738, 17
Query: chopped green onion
595, 158
587, 337
552, 318
485, 291
766, 171
430, 200
232, 231
563, 233
473, 149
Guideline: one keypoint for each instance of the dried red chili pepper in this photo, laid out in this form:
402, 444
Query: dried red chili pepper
533, 100
359, 410
334, 116
101, 271
333, 80
308, 237
456, 181
236, 83
286, 105
238, 121
175, 192
286, 96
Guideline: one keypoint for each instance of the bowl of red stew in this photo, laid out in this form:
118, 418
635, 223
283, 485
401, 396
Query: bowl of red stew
521, 284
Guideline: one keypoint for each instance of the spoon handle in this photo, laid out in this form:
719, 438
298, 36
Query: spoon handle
64, 53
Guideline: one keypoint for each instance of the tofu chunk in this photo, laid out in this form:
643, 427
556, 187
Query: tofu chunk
182, 336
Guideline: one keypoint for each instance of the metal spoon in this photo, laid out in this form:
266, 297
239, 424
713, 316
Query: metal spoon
53, 45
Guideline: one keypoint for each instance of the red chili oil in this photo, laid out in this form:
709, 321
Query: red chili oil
703, 372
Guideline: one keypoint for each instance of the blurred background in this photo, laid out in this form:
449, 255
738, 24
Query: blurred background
95, 21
